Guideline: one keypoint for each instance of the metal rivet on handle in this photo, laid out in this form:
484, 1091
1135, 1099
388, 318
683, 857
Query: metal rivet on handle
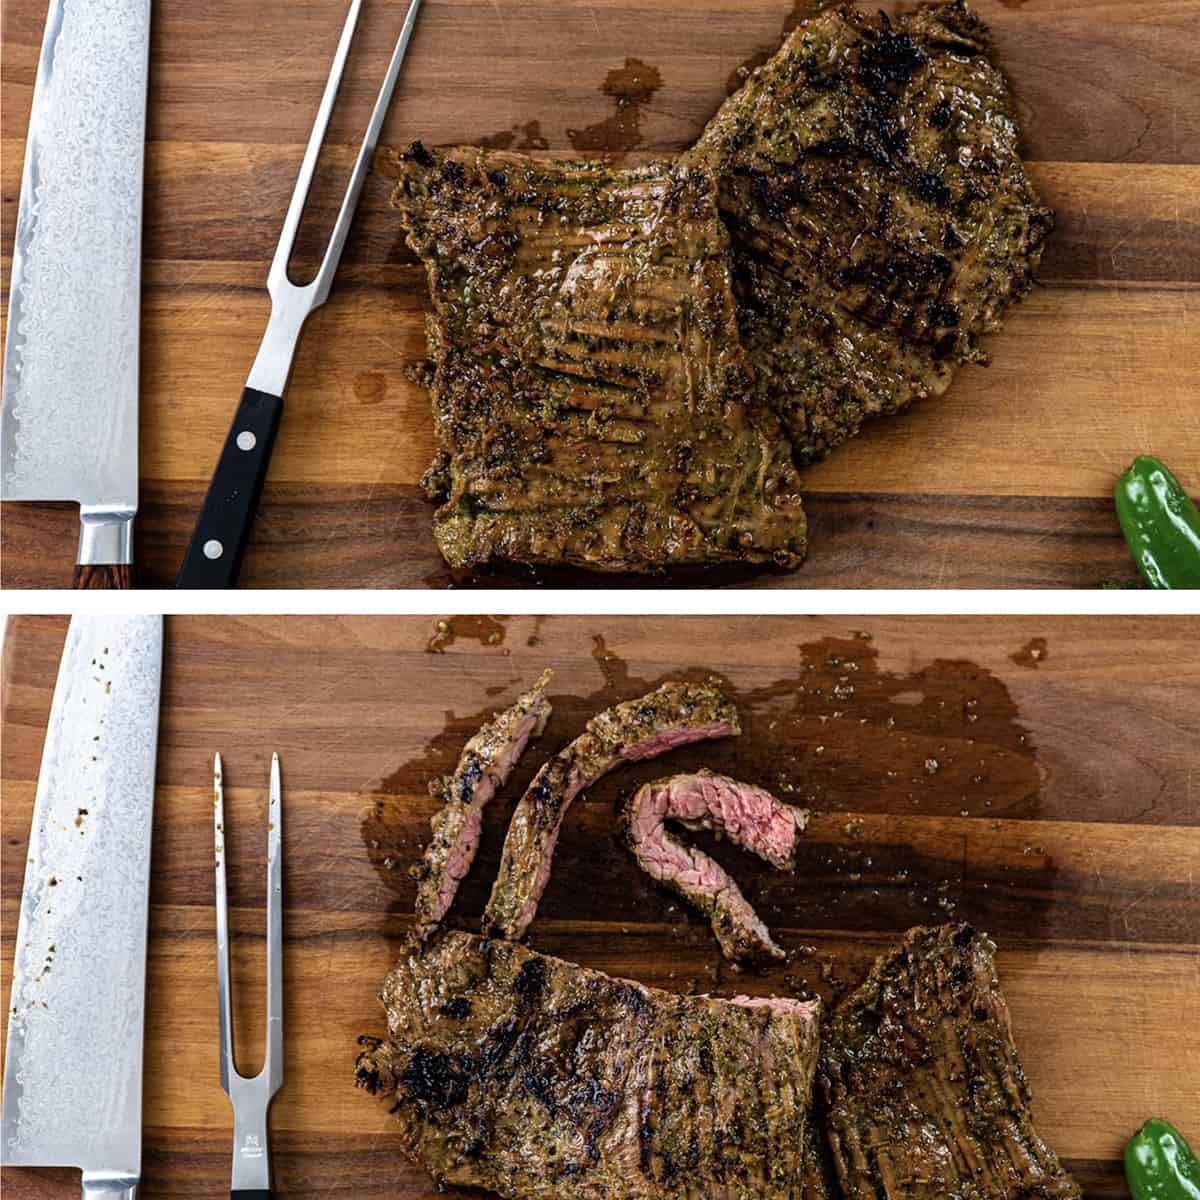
213, 549
246, 440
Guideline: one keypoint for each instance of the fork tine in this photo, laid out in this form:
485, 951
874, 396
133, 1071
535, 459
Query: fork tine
278, 276
366, 154
224, 1004
273, 1064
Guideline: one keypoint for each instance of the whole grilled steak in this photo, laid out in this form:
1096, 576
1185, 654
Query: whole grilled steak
590, 390
924, 1094
538, 1078
485, 763
748, 816
880, 216
674, 714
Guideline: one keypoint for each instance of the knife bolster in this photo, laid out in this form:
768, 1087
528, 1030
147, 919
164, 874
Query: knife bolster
105, 537
109, 1185
105, 548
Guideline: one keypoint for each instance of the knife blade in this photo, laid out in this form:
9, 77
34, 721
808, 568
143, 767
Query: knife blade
68, 426
73, 1068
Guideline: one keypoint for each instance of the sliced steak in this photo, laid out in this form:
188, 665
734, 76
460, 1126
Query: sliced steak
880, 216
673, 715
749, 816
543, 1080
590, 389
924, 1094
482, 769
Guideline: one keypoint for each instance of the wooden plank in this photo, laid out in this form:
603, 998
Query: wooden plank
353, 416
384, 540
256, 75
1098, 365
1077, 851
213, 211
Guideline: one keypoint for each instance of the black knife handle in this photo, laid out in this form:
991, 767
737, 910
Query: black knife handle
214, 554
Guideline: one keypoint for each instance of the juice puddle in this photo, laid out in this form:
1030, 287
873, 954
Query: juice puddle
908, 773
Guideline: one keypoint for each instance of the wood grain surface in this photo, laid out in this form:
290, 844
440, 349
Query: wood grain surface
1006, 481
1036, 776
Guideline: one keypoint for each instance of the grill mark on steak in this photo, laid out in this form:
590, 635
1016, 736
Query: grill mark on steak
589, 383
749, 816
925, 1098
563, 1082
485, 764
880, 216
675, 714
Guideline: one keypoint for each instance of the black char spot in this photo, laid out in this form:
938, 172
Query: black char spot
433, 1079
531, 981
930, 188
419, 154
940, 114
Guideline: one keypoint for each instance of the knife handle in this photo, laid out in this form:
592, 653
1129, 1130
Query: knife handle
94, 577
214, 554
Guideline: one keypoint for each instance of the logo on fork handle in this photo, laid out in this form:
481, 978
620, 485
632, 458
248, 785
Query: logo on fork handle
252, 1147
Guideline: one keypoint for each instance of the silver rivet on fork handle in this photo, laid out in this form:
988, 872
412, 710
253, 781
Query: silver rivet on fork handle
251, 1098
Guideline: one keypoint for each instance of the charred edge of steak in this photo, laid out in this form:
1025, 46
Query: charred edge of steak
749, 816
675, 714
591, 399
545, 1080
924, 1092
485, 764
880, 215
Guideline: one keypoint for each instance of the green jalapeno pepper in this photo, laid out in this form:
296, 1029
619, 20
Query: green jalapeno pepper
1160, 1165
1160, 524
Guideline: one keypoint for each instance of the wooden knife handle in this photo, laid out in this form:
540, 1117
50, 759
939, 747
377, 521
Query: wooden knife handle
214, 555
94, 577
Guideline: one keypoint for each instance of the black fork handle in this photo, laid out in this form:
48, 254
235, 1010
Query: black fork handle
214, 555
246, 1194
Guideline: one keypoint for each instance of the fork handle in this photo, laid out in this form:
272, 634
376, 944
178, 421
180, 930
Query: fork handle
249, 1195
214, 555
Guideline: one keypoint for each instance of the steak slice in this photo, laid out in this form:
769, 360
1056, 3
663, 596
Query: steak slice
675, 714
880, 216
538, 1078
924, 1094
482, 769
590, 389
749, 816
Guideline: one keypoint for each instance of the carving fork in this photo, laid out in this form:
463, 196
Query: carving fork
214, 554
251, 1098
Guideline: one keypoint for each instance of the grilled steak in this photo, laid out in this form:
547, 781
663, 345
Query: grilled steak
818, 1173
589, 385
673, 715
880, 216
482, 769
749, 816
538, 1078
924, 1095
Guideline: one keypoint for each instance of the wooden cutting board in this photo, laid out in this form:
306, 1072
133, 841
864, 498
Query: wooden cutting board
1035, 776
1006, 481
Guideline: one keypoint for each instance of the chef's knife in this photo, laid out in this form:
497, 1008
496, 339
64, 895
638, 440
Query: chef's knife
73, 1071
69, 428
